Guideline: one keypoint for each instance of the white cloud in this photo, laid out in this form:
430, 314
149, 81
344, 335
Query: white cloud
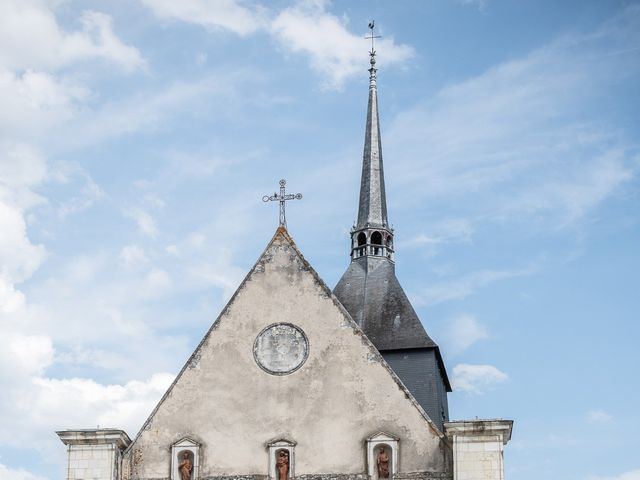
132, 256
11, 299
31, 399
23, 355
201, 58
448, 231
86, 192
212, 275
145, 222
32, 404
31, 38
22, 168
7, 473
462, 287
147, 110
462, 332
526, 137
476, 378
578, 195
479, 4
87, 309
339, 55
89, 193
213, 271
39, 93
85, 403
99, 41
88, 301
212, 14
19, 258
34, 100
599, 416
156, 283
631, 475
46, 403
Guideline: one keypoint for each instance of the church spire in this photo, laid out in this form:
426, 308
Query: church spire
372, 210
371, 235
370, 290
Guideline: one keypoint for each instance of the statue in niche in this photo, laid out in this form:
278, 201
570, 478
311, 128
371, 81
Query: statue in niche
282, 465
186, 467
382, 461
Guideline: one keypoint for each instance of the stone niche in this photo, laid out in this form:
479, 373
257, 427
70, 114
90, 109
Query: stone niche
389, 444
274, 448
190, 448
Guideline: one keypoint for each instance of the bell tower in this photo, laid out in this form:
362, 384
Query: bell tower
370, 291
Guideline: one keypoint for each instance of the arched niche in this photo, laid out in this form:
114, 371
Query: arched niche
389, 446
376, 242
276, 449
183, 450
362, 239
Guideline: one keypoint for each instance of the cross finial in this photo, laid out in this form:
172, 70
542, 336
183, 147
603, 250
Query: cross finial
282, 197
372, 53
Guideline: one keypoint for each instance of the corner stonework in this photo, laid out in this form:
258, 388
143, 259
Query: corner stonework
94, 454
478, 448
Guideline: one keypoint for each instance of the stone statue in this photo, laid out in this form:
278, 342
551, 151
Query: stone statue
185, 467
282, 465
383, 463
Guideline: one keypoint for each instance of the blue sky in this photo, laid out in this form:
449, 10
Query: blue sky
138, 138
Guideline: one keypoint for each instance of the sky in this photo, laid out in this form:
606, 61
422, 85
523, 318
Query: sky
138, 137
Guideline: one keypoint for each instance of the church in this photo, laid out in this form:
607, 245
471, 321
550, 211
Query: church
297, 381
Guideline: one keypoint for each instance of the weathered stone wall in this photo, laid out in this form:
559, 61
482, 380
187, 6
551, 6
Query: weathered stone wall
343, 393
479, 458
97, 462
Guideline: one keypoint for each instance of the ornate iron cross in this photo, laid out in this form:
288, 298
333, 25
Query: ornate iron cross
282, 197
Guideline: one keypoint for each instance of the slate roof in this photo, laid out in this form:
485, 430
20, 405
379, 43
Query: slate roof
372, 295
372, 208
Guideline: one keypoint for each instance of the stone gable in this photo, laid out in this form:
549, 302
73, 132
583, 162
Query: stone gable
285, 361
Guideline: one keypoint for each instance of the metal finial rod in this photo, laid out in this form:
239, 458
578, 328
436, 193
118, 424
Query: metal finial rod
282, 197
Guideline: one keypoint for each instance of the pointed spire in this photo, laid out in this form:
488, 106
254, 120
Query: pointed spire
372, 210
370, 291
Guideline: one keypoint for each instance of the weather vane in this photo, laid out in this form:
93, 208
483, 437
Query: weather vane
372, 53
372, 25
282, 197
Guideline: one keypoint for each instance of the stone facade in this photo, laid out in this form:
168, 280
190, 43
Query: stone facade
330, 476
335, 395
285, 367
